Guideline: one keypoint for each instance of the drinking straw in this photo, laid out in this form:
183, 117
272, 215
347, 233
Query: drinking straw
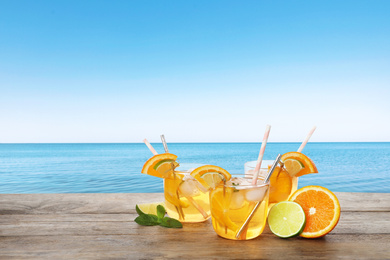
261, 153
307, 139
179, 209
271, 170
164, 143
190, 199
197, 206
150, 147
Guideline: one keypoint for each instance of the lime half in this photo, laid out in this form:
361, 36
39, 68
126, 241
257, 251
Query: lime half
150, 208
286, 219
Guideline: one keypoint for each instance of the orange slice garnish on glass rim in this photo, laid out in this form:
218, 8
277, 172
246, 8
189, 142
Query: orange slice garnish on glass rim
210, 176
160, 165
298, 164
322, 210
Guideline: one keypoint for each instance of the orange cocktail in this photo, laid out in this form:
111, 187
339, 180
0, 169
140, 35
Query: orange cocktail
282, 185
185, 198
232, 202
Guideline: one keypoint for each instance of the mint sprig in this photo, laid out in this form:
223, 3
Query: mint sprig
160, 211
153, 220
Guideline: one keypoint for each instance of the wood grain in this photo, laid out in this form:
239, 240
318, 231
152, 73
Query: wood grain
127, 246
108, 203
101, 226
123, 224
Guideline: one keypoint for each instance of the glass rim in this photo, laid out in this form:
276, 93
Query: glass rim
246, 186
252, 164
187, 168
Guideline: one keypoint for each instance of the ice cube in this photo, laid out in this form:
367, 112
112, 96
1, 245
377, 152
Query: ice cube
237, 200
201, 187
189, 188
255, 194
187, 177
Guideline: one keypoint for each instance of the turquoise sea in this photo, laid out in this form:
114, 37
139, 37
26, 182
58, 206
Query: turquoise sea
115, 168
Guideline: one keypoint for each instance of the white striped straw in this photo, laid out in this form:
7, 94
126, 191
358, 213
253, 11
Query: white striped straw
150, 147
261, 153
164, 143
307, 139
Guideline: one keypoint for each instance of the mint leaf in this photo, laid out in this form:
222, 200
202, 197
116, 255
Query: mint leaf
147, 220
144, 220
153, 220
170, 223
160, 211
139, 211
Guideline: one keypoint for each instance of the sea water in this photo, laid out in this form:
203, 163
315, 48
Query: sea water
116, 168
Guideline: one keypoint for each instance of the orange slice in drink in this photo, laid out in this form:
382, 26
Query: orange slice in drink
160, 165
171, 191
219, 205
321, 207
298, 164
210, 176
280, 185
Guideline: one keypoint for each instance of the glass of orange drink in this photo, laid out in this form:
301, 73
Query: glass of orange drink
282, 185
231, 204
185, 198
284, 181
186, 186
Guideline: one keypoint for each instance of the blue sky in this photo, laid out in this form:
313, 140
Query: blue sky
197, 71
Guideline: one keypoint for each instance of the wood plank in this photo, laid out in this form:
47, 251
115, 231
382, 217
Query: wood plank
91, 203
105, 203
358, 201
123, 224
187, 247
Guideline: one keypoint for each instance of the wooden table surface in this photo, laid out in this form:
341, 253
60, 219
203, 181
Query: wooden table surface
101, 226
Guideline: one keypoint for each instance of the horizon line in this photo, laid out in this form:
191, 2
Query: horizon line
190, 142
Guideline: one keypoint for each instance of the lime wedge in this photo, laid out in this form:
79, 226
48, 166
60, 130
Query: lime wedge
293, 166
286, 219
212, 178
150, 208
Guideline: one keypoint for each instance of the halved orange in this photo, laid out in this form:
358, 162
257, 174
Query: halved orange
210, 176
322, 209
298, 164
160, 165
280, 185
